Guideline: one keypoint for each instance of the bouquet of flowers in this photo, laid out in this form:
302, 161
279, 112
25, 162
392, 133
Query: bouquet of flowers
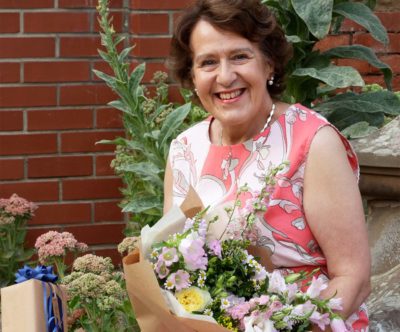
221, 279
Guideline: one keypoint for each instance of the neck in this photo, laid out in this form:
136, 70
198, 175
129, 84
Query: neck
236, 135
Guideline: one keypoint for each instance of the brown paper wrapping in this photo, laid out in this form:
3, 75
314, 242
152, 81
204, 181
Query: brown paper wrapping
22, 307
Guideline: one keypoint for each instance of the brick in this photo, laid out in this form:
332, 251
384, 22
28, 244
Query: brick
86, 141
27, 96
32, 191
87, 3
27, 47
351, 26
11, 169
96, 94
9, 72
62, 213
24, 4
117, 21
367, 40
107, 211
98, 234
393, 60
103, 167
149, 23
396, 83
9, 22
18, 144
110, 252
362, 66
91, 189
59, 119
151, 47
374, 79
11, 120
109, 118
46, 167
52, 22
79, 46
58, 71
159, 4
390, 20
332, 41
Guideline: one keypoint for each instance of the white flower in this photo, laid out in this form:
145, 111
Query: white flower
258, 324
317, 285
277, 283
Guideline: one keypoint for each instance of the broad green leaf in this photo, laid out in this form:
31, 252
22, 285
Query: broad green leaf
142, 204
345, 117
145, 170
109, 80
172, 122
372, 102
361, 52
317, 14
361, 14
294, 39
358, 130
120, 105
335, 76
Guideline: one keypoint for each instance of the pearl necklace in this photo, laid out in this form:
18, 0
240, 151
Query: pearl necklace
271, 114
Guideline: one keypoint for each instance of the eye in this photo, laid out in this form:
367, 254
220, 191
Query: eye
240, 56
207, 62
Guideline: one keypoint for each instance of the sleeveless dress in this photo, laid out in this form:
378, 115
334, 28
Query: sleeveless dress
217, 172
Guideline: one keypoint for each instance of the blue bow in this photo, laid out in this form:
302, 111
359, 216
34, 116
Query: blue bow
45, 274
40, 272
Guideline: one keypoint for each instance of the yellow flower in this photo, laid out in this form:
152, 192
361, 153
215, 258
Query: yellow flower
193, 298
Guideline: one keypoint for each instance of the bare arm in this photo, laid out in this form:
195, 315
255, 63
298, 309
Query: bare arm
168, 178
333, 208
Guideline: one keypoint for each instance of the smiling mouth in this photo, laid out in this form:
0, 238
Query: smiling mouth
230, 95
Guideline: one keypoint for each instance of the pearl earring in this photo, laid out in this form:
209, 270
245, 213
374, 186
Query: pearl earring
196, 92
271, 81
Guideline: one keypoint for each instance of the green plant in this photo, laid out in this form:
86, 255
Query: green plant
150, 123
97, 295
14, 215
312, 77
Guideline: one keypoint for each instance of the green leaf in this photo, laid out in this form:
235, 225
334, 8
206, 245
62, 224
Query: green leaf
110, 80
384, 102
136, 77
142, 204
361, 14
358, 130
124, 53
117, 141
317, 15
172, 122
120, 105
361, 52
294, 39
336, 76
147, 171
344, 117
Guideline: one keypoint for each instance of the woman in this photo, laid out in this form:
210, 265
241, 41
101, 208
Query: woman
232, 53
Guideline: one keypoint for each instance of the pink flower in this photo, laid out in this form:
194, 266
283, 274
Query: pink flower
277, 283
335, 303
303, 309
193, 252
179, 280
169, 256
317, 285
215, 247
337, 325
240, 310
320, 319
161, 269
17, 206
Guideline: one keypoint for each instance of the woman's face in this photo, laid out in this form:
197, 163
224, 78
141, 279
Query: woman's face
230, 75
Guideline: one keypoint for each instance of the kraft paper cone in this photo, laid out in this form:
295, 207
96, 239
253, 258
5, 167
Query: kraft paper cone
152, 312
22, 307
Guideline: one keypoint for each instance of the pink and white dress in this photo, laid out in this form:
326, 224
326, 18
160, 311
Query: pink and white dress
216, 172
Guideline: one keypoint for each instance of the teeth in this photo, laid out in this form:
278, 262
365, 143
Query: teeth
230, 95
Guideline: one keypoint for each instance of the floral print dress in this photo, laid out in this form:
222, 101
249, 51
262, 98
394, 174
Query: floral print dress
217, 172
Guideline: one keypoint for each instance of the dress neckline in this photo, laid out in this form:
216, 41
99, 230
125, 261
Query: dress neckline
210, 119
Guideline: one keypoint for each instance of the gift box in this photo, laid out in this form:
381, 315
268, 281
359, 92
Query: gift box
34, 306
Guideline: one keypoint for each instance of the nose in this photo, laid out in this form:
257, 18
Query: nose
226, 74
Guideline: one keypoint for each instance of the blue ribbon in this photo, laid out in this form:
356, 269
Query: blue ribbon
45, 274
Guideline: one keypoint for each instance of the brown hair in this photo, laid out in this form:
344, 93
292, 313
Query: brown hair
247, 18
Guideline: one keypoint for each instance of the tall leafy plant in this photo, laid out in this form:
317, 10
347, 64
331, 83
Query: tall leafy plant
150, 123
312, 74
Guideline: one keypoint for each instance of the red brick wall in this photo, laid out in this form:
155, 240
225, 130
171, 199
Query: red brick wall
53, 109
